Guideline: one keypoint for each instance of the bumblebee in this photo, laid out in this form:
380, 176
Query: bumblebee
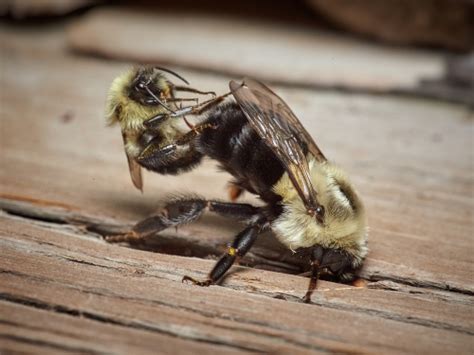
143, 101
308, 202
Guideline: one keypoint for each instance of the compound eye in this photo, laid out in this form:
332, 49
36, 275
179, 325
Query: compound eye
319, 212
142, 82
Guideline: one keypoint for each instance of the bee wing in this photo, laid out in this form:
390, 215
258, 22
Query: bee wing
281, 130
134, 168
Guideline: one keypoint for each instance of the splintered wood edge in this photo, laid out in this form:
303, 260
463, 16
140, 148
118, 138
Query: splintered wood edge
117, 278
97, 227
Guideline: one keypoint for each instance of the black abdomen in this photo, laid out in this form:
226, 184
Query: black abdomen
240, 151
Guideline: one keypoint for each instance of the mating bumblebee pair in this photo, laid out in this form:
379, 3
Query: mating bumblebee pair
308, 202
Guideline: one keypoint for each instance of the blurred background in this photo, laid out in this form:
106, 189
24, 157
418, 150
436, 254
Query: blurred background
420, 47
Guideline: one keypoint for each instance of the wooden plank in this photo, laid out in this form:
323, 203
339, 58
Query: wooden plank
296, 53
118, 292
62, 331
418, 196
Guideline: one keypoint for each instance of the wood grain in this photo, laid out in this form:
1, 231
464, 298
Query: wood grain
64, 184
140, 292
240, 46
418, 197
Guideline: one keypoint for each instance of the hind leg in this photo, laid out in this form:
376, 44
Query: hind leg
183, 211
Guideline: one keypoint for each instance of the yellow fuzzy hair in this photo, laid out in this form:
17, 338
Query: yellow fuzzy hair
344, 222
121, 109
128, 113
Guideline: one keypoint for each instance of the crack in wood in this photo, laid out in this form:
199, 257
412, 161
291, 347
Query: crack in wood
417, 283
96, 227
67, 257
34, 328
113, 321
352, 308
201, 312
47, 344
277, 295
443, 295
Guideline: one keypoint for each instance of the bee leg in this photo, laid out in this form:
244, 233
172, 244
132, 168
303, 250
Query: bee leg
172, 158
239, 247
155, 121
174, 213
313, 281
183, 211
182, 99
169, 159
200, 108
326, 261
316, 259
193, 90
207, 105
120, 238
239, 211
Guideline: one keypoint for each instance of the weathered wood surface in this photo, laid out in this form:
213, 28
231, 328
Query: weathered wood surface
64, 289
299, 54
138, 298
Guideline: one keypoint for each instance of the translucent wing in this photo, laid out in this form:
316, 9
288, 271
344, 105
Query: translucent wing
281, 130
134, 168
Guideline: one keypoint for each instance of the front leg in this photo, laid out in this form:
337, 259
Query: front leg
174, 158
326, 261
170, 158
196, 110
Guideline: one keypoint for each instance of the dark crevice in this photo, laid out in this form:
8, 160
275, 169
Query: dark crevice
40, 328
419, 284
60, 216
201, 312
34, 215
175, 245
83, 262
165, 244
397, 318
438, 294
47, 344
29, 302
366, 311
277, 295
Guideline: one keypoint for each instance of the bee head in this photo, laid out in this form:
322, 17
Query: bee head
340, 225
149, 87
138, 94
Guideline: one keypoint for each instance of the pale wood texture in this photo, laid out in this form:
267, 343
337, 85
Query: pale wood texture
64, 172
289, 53
138, 298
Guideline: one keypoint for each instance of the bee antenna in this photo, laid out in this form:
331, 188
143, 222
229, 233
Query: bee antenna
172, 73
158, 100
